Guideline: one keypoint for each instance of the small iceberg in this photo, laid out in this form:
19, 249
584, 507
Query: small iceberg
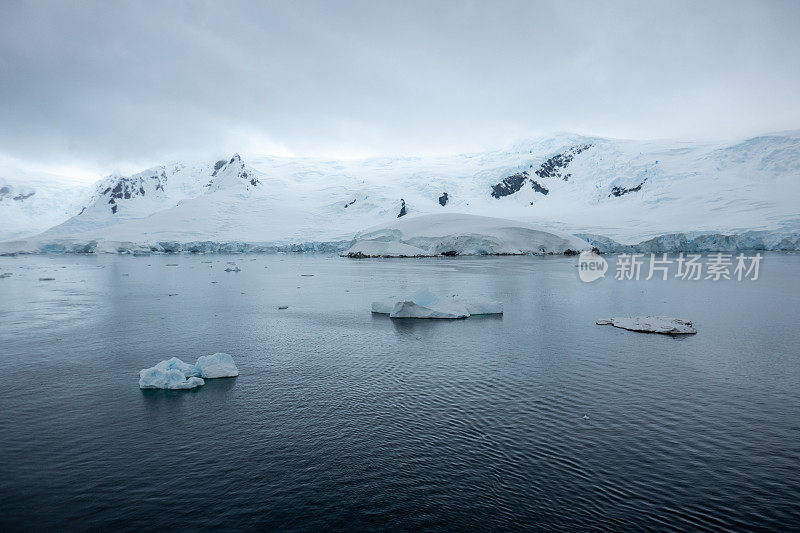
651, 324
174, 374
425, 304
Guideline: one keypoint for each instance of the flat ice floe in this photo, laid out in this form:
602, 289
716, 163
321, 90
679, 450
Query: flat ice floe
651, 324
460, 234
174, 374
219, 365
425, 304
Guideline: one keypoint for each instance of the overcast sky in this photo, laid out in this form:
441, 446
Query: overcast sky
114, 85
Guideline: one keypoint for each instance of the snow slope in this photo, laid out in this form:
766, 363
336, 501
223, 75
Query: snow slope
626, 191
31, 203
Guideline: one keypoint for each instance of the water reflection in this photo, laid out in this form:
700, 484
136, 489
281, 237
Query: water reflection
157, 399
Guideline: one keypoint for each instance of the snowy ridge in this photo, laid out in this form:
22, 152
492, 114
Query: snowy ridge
614, 193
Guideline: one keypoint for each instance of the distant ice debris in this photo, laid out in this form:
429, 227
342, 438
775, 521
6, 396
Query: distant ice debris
5, 275
174, 374
651, 324
425, 304
234, 269
451, 234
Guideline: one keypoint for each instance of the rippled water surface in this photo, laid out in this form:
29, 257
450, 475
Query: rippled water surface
345, 420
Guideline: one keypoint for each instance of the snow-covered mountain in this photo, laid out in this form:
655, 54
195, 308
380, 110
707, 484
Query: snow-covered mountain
118, 200
31, 203
625, 190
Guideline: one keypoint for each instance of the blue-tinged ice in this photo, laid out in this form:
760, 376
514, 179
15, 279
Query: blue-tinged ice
176, 364
175, 374
169, 378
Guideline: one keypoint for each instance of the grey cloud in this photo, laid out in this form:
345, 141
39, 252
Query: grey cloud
112, 82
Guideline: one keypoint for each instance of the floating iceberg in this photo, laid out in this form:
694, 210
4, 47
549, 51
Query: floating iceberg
170, 378
175, 374
219, 365
651, 324
425, 304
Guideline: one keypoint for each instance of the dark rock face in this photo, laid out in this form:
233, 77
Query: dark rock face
242, 173
114, 209
443, 199
450, 253
553, 167
403, 211
358, 255
619, 191
349, 204
5, 192
570, 251
509, 185
128, 188
539, 188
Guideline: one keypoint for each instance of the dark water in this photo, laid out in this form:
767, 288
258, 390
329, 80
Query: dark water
344, 420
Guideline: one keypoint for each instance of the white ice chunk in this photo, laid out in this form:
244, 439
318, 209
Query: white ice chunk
219, 365
651, 324
166, 378
175, 363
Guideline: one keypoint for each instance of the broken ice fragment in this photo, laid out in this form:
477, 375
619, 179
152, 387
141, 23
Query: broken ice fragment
651, 324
